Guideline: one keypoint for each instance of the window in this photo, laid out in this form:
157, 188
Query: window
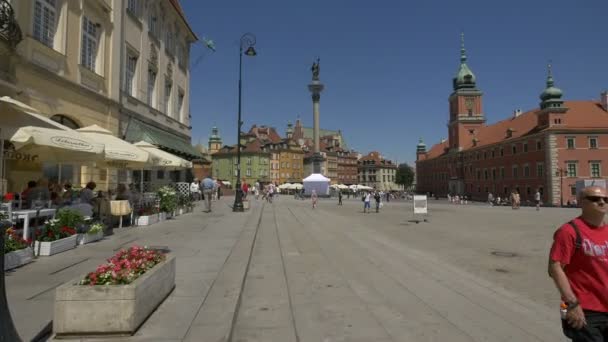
485, 174
593, 142
540, 172
153, 24
248, 172
514, 171
133, 7
514, 149
493, 153
169, 42
570, 143
526, 171
64, 120
493, 174
88, 53
180, 102
525, 147
160, 174
151, 86
248, 160
573, 190
168, 86
130, 73
571, 169
45, 21
595, 169
478, 174
502, 152
235, 172
539, 145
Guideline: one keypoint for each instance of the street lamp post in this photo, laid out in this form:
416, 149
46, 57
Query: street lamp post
248, 42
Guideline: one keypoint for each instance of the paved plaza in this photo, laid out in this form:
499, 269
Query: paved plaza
285, 272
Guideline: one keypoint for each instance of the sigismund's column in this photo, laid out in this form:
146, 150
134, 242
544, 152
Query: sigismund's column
316, 87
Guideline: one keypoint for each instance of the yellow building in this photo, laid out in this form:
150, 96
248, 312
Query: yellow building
290, 161
118, 64
66, 66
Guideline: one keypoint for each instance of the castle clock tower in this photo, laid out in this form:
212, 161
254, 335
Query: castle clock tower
466, 113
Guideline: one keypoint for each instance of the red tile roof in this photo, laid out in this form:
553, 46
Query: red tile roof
580, 114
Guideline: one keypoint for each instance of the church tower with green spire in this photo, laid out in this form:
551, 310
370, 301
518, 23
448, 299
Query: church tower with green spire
552, 111
215, 141
466, 112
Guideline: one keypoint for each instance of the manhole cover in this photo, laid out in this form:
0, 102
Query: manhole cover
502, 270
504, 254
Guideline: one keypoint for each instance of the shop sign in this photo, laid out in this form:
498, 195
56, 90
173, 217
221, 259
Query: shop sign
71, 143
13, 155
122, 155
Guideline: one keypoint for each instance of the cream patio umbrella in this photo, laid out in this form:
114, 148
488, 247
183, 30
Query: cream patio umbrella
162, 158
47, 144
117, 152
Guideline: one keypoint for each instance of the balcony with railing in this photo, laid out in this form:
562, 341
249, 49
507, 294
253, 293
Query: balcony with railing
10, 32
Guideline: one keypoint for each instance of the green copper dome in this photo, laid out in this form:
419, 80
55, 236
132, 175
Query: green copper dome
421, 147
551, 92
215, 136
464, 77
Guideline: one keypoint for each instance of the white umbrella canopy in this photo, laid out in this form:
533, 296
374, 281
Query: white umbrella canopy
285, 186
15, 114
162, 158
56, 145
296, 186
117, 152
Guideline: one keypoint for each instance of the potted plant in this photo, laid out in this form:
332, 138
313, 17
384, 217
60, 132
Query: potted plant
168, 200
17, 251
54, 238
95, 233
147, 215
120, 294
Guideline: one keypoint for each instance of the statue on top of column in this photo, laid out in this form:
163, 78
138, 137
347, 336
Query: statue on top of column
315, 70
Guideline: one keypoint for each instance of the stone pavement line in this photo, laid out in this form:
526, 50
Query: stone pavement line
265, 313
478, 296
214, 322
403, 315
325, 307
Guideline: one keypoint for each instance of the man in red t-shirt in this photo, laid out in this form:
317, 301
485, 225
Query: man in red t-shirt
581, 272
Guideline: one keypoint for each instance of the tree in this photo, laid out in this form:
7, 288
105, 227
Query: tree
405, 175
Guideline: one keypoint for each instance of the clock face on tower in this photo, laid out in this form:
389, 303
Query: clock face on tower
468, 102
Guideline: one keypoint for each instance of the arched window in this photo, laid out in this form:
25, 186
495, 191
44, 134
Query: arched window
64, 120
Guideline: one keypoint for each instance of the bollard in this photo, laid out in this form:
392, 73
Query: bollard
8, 332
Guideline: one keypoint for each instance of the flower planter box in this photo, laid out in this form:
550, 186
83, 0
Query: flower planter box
178, 212
162, 216
18, 258
147, 220
57, 246
85, 238
84, 310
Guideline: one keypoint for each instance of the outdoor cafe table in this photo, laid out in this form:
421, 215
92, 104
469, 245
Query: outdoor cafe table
28, 214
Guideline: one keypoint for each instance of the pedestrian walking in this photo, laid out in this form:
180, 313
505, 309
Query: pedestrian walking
339, 197
313, 197
377, 197
578, 264
537, 199
208, 186
194, 190
366, 202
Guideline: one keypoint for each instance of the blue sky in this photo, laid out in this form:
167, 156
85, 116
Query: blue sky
387, 65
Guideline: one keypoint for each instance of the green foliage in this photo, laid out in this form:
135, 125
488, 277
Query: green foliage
68, 218
168, 199
405, 175
96, 228
13, 241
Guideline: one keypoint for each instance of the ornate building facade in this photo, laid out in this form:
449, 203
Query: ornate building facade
546, 149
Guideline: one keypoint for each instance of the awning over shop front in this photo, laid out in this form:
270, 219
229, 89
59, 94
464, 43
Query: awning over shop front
138, 131
15, 114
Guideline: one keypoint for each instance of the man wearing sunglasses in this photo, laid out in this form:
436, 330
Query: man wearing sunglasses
578, 264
